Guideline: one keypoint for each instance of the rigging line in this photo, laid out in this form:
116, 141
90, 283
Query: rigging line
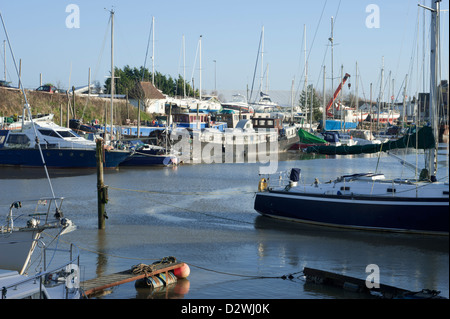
146, 52
195, 62
256, 66
96, 70
27, 106
310, 49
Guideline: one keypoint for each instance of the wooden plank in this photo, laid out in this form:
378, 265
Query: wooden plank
349, 283
98, 284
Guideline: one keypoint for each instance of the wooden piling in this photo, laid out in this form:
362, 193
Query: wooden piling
101, 188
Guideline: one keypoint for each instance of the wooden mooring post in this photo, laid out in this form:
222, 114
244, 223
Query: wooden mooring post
102, 190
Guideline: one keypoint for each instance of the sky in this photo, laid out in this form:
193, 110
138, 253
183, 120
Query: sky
61, 44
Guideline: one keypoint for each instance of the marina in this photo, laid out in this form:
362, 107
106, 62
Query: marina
330, 195
204, 216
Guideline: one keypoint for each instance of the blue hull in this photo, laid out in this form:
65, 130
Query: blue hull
147, 160
60, 158
413, 215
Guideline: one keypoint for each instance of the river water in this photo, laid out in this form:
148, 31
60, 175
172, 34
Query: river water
203, 215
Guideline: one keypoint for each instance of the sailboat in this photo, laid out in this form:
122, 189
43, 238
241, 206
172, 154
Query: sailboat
369, 201
20, 234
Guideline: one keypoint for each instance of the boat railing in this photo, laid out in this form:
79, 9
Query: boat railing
69, 145
51, 204
66, 274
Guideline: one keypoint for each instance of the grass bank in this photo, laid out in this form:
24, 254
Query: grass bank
61, 104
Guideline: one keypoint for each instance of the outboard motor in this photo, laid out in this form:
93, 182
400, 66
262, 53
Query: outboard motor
294, 177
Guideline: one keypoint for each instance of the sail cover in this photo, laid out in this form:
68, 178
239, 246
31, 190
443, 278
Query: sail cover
423, 139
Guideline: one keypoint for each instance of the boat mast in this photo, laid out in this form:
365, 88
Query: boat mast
324, 114
262, 60
434, 74
27, 106
306, 71
184, 69
331, 39
380, 98
200, 48
404, 102
434, 64
112, 72
153, 50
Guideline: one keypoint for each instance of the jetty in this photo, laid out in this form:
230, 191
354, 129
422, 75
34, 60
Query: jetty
97, 285
357, 285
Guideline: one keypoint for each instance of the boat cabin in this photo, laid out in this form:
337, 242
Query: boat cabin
197, 121
267, 123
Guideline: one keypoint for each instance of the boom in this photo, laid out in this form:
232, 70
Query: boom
336, 93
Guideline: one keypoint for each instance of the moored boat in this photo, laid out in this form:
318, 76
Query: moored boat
370, 201
59, 146
361, 201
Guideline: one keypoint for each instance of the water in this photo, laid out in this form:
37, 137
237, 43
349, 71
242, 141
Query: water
203, 215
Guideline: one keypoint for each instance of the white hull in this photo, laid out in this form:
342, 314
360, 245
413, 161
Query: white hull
16, 249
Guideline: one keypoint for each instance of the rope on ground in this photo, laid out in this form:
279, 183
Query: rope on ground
289, 276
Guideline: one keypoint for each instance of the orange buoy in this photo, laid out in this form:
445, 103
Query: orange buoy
182, 272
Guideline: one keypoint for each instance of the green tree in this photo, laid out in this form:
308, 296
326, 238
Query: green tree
316, 103
127, 78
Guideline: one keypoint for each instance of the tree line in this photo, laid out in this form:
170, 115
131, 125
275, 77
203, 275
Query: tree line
126, 81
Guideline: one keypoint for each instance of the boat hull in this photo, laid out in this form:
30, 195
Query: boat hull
16, 248
387, 214
59, 158
149, 160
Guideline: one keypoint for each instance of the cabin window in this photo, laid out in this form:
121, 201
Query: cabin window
18, 139
345, 188
66, 133
391, 190
262, 122
49, 133
270, 122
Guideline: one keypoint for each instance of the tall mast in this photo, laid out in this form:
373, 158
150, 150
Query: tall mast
356, 91
332, 60
112, 71
404, 101
184, 68
153, 50
324, 112
4, 56
306, 70
262, 60
434, 74
200, 44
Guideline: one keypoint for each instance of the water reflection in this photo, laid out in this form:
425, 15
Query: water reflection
14, 172
173, 291
412, 262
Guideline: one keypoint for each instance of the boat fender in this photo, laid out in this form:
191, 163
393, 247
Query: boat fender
316, 182
262, 186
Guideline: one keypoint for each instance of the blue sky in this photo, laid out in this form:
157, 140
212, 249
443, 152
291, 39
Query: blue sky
230, 35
